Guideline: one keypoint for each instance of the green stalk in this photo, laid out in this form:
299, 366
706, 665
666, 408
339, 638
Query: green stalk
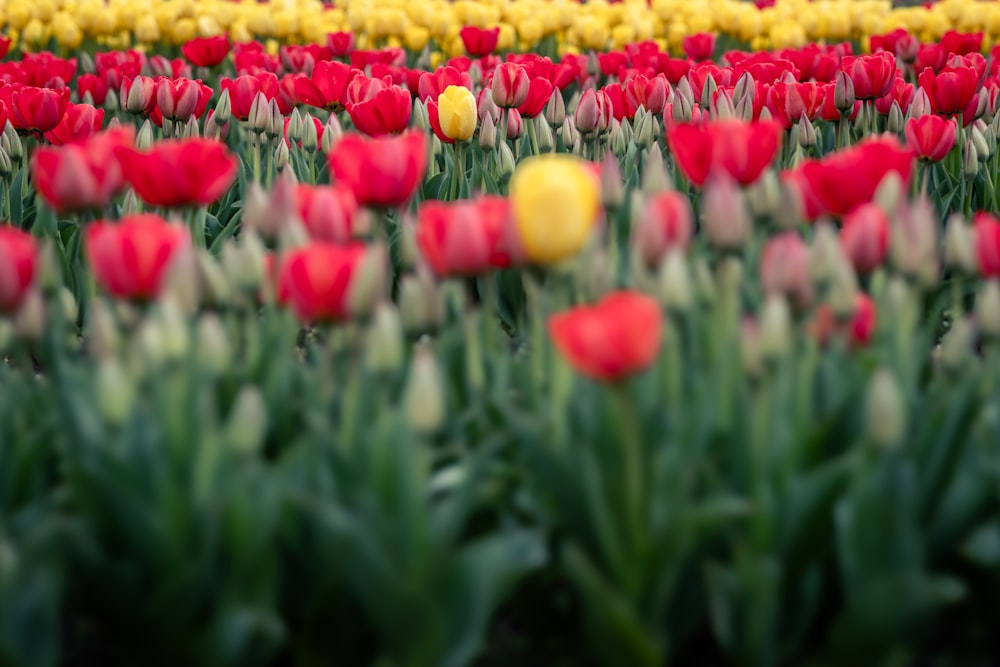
198, 226
632, 462
456, 167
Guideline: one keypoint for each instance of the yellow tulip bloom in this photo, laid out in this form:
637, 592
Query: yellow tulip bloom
457, 113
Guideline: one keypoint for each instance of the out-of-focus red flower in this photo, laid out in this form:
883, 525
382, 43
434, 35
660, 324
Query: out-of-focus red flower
612, 62
361, 59
865, 238
665, 223
901, 93
510, 85
649, 93
82, 175
363, 88
317, 123
206, 51
180, 99
81, 121
987, 240
93, 84
736, 148
479, 42
340, 43
539, 93
114, 66
37, 109
951, 89
180, 172
296, 59
244, 88
858, 330
931, 137
325, 88
317, 280
18, 267
615, 338
388, 112
930, 55
132, 256
961, 43
789, 102
4, 46
871, 75
899, 42
432, 84
382, 172
842, 181
700, 46
178, 68
465, 238
45, 70
784, 269
830, 112
328, 212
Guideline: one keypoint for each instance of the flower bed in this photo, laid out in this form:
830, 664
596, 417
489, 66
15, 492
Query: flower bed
526, 333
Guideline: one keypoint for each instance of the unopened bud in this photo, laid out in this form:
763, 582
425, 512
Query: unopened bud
310, 136
487, 133
843, 295
114, 391
724, 215
675, 284
704, 281
956, 348
644, 131
745, 87
612, 187
750, 348
144, 138
12, 143
806, 132
544, 135
384, 342
102, 331
764, 195
29, 321
505, 161
970, 163
555, 110
223, 109
6, 167
708, 92
843, 94
423, 397
895, 122
281, 155
246, 429
824, 253
920, 105
979, 141
421, 304
214, 286
885, 410
959, 245
295, 126
682, 110
889, 193
420, 117
368, 282
213, 351
988, 308
655, 178
775, 328
570, 136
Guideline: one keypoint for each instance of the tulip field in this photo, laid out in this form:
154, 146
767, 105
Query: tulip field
499, 333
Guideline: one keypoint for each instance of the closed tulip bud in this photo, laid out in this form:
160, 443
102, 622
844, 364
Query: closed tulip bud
896, 121
259, 116
144, 138
485, 106
618, 140
970, 163
991, 139
765, 114
515, 125
988, 308
114, 392
191, 129
408, 249
294, 131
424, 405
979, 141
421, 304
182, 281
570, 136
959, 245
555, 110
843, 94
328, 142
276, 123
889, 193
655, 178
223, 109
885, 410
982, 102
920, 105
775, 328
505, 161
174, 325
246, 429
704, 281
612, 186
102, 331
708, 92
546, 142
213, 282
914, 243
824, 253
368, 283
806, 132
12, 143
645, 133
843, 290
29, 321
70, 308
384, 342
130, 203
676, 290
724, 215
745, 87
750, 348
957, 346
310, 139
744, 108
419, 118
682, 110
6, 168
487, 133
722, 106
281, 155
213, 351
111, 101
137, 97
764, 195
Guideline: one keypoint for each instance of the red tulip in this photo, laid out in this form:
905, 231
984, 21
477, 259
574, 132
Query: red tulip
93, 84
388, 112
317, 123
432, 84
340, 43
665, 223
81, 121
700, 46
871, 75
206, 51
37, 109
465, 238
131, 257
830, 112
361, 88
901, 93
593, 112
930, 55
317, 280
180, 172
789, 102
325, 88
382, 172
243, 89
479, 42
987, 238
784, 269
328, 213
84, 175
297, 59
181, 99
734, 147
857, 331
18, 267
161, 66
539, 93
611, 340
510, 85
649, 93
951, 89
931, 137
4, 46
893, 42
962, 43
865, 238
138, 95
844, 180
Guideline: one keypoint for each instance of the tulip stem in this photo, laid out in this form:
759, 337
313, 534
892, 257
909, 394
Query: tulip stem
458, 169
533, 292
198, 226
632, 461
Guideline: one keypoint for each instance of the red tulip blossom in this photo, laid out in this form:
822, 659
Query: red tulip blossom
245, 88
81, 121
987, 241
93, 84
539, 93
961, 43
18, 267
593, 112
328, 212
617, 337
665, 223
735, 148
865, 238
180, 172
387, 112
931, 137
465, 238
383, 172
432, 84
181, 99
510, 85
651, 93
324, 89
317, 280
206, 51
37, 109
479, 42
871, 75
131, 257
340, 44
857, 330
363, 88
784, 269
951, 89
138, 95
700, 46
81, 175
901, 92
789, 102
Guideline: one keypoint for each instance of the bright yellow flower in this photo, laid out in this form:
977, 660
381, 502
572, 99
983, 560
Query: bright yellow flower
66, 31
35, 34
18, 15
147, 29
556, 201
457, 113
184, 30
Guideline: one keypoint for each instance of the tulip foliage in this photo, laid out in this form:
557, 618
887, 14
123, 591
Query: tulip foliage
635, 357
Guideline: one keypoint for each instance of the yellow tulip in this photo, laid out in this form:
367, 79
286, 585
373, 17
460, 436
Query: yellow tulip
555, 200
147, 29
35, 34
66, 31
457, 113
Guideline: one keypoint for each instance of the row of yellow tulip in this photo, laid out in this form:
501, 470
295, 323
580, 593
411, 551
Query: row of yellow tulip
414, 24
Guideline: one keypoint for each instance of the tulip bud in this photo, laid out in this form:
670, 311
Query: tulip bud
843, 94
765, 114
806, 132
214, 286
708, 92
294, 131
895, 122
174, 326
515, 124
618, 141
420, 117
130, 203
6, 168
424, 402
704, 281
213, 351
384, 342
913, 242
979, 141
102, 331
182, 281
310, 139
612, 186
655, 177
555, 110
487, 133
982, 102
745, 87
775, 328
991, 140
136, 96
144, 139
223, 109
824, 253
744, 108
421, 304
70, 308
885, 410
645, 133
764, 195
750, 348
485, 106
970, 164
843, 296
988, 308
889, 193
246, 429
675, 284
505, 161
114, 392
920, 106
959, 245
214, 131
569, 134
724, 215
588, 112
329, 141
259, 116
12, 143
368, 282
546, 143
29, 321
281, 155
191, 128
956, 348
